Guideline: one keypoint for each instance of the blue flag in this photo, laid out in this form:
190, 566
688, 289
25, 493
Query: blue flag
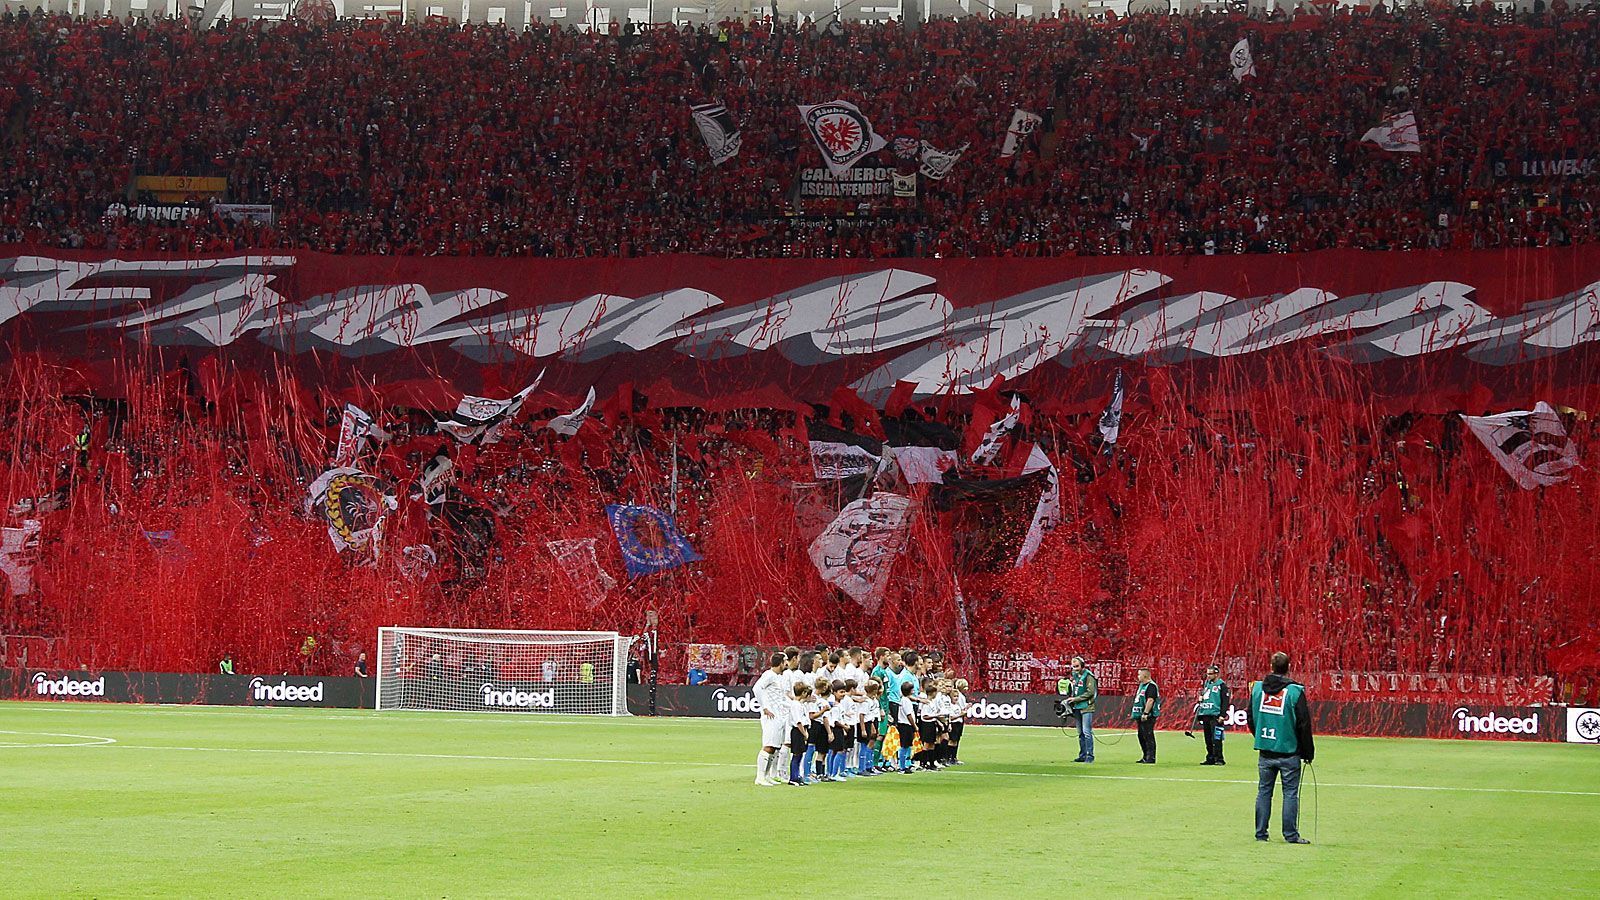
649, 539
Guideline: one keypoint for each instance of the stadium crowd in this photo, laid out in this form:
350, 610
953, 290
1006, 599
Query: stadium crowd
433, 138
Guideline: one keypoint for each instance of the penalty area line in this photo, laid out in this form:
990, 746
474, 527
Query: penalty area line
473, 757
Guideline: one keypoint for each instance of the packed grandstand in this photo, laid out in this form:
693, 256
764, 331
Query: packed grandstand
432, 138
266, 425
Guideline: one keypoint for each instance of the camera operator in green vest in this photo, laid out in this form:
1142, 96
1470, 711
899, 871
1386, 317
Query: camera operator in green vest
1208, 713
1146, 706
1081, 688
1280, 719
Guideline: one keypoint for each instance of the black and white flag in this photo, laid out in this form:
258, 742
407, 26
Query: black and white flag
569, 424
857, 551
835, 459
354, 429
477, 420
936, 164
1047, 514
1111, 419
1531, 445
1242, 60
1023, 124
719, 131
842, 133
988, 450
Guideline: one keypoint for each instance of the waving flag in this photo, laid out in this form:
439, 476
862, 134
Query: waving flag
1022, 124
649, 539
857, 551
577, 560
1111, 418
354, 429
477, 420
569, 424
718, 130
354, 504
1532, 446
1396, 134
936, 164
988, 451
842, 133
1047, 514
1243, 62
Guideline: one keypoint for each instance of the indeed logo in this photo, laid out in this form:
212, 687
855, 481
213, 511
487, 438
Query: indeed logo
1494, 723
743, 703
283, 691
985, 709
511, 698
67, 686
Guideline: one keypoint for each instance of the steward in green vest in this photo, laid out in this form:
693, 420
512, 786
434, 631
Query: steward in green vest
1209, 709
1280, 719
1146, 706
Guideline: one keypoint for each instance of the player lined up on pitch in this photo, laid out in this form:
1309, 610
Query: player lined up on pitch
832, 718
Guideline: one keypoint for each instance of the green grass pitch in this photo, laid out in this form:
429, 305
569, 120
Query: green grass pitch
112, 801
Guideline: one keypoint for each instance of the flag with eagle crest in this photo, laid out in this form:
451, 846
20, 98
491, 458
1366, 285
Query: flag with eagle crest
842, 132
1531, 445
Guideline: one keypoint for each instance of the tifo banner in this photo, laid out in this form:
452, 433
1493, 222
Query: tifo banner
708, 332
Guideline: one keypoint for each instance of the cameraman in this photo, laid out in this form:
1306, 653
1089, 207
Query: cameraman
1082, 689
1280, 719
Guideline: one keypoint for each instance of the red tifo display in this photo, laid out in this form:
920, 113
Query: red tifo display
1289, 438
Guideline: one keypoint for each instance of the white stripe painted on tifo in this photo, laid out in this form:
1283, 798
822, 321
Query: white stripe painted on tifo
694, 764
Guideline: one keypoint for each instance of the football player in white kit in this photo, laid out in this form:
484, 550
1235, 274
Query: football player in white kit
772, 691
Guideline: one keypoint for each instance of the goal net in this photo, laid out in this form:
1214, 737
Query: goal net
581, 672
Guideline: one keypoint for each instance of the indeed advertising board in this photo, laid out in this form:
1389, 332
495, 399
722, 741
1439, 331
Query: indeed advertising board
176, 687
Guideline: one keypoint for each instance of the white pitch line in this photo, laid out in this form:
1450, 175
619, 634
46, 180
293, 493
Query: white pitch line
680, 763
88, 740
318, 714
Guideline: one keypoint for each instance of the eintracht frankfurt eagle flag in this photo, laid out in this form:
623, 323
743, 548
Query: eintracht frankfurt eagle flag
1532, 446
1243, 62
842, 133
720, 132
1397, 134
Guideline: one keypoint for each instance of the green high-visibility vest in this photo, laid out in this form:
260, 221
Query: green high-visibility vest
1275, 718
1084, 683
1210, 699
1144, 691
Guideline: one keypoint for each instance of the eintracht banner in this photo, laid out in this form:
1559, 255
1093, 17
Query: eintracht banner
1531, 445
1242, 61
857, 551
719, 131
1396, 134
842, 133
1022, 124
477, 420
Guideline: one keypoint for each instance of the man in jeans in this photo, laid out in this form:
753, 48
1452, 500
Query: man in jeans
1280, 719
1082, 689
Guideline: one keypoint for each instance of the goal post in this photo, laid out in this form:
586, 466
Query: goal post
482, 670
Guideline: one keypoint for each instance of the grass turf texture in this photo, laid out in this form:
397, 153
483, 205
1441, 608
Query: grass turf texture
289, 802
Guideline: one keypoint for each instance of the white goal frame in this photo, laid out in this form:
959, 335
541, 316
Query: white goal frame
502, 670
